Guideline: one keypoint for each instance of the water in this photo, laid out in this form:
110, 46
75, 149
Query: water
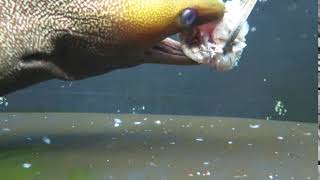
208, 148
127, 139
278, 65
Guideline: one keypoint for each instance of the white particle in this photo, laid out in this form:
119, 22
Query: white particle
46, 140
158, 122
233, 129
145, 118
143, 107
230, 142
172, 143
280, 108
153, 164
3, 101
206, 163
280, 137
137, 123
117, 122
198, 173
271, 177
26, 165
253, 29
200, 139
240, 176
307, 134
254, 126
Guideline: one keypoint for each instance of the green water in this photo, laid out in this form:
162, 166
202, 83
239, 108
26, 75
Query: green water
89, 146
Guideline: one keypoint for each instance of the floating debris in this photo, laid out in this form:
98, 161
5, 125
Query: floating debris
158, 122
207, 173
273, 176
280, 108
3, 102
206, 163
116, 122
254, 126
240, 176
190, 175
199, 139
152, 164
280, 137
137, 123
46, 140
6, 129
307, 134
26, 165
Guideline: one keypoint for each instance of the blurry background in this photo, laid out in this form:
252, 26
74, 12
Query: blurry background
276, 78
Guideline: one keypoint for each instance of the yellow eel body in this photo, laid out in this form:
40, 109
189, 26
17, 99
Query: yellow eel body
75, 39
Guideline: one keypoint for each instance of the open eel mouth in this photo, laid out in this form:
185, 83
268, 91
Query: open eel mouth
218, 44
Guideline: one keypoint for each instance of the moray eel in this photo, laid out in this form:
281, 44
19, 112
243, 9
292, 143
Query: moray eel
76, 39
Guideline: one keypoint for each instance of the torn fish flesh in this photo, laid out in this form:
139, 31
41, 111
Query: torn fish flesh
220, 44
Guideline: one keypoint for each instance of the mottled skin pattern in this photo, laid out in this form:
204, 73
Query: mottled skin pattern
75, 39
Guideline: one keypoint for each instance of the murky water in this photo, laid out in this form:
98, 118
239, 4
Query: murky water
138, 147
277, 65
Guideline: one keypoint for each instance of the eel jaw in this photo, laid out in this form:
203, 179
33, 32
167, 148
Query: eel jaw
168, 51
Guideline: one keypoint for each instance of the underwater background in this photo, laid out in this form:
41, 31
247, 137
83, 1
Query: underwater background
276, 78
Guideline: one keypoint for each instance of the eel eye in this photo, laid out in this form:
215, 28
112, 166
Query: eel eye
188, 16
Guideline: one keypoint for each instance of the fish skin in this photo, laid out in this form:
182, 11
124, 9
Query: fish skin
76, 39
